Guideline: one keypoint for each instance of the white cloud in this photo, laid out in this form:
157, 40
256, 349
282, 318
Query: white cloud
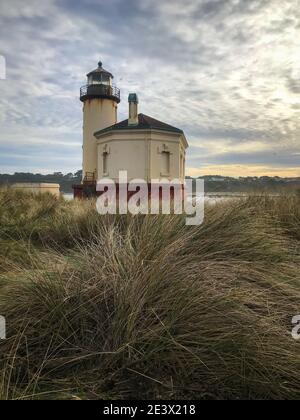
227, 72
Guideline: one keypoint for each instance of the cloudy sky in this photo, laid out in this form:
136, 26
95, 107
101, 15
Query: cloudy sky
225, 71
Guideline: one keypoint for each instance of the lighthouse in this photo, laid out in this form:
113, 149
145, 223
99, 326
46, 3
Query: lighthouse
143, 146
100, 105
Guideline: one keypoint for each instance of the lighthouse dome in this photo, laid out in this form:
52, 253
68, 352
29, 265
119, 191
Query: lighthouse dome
100, 70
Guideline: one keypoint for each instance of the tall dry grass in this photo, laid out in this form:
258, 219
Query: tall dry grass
145, 307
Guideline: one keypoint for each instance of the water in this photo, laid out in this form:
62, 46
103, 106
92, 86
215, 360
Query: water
68, 196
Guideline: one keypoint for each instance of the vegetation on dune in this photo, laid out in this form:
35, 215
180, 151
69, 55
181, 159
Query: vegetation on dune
146, 307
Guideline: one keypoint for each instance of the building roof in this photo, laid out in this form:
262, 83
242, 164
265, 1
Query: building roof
100, 69
145, 123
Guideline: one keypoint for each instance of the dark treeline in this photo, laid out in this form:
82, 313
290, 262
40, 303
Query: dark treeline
216, 183
65, 180
219, 183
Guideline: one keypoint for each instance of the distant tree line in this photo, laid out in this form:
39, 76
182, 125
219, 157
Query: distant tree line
65, 180
219, 183
213, 183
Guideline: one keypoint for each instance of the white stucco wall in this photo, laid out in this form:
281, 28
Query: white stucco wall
97, 114
37, 188
140, 153
122, 155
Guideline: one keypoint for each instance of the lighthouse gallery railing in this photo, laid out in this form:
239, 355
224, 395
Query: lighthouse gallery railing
101, 90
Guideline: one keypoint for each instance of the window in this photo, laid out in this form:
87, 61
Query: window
165, 163
96, 79
105, 157
99, 79
181, 165
105, 79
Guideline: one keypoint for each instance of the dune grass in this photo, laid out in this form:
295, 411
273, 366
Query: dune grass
146, 307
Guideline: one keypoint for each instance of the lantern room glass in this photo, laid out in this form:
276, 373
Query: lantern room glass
100, 79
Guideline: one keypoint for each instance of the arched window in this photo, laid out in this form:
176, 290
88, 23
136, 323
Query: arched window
182, 163
105, 167
165, 163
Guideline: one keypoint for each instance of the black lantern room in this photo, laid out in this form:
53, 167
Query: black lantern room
99, 86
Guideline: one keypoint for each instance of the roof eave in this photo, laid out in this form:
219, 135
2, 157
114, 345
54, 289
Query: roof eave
186, 144
105, 131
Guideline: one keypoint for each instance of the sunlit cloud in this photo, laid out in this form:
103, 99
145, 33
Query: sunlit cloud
244, 170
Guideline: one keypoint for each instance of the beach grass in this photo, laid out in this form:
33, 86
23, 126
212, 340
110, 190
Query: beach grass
145, 306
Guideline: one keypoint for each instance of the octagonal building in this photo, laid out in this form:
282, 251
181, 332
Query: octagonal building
143, 146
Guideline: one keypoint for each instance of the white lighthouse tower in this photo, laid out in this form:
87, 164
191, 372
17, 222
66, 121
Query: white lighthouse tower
100, 102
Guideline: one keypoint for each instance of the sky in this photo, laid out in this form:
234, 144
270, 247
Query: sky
227, 72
